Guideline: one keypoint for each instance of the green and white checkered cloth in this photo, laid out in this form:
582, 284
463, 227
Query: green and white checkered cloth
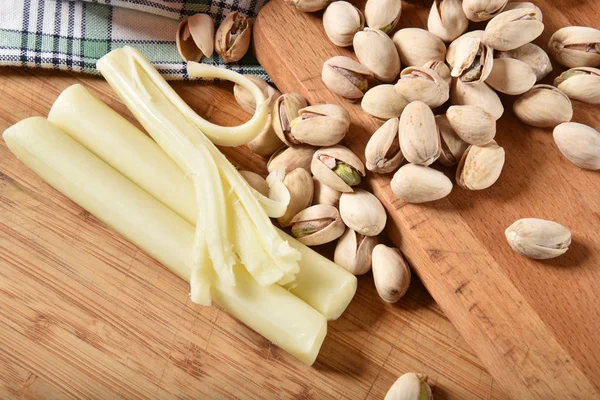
73, 35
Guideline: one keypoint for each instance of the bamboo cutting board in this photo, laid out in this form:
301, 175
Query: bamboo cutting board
535, 325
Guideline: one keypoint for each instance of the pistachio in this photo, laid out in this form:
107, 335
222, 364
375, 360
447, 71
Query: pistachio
195, 37
346, 77
390, 273
539, 239
309, 5
320, 125
341, 21
423, 84
383, 14
376, 51
317, 225
323, 194
290, 158
416, 184
511, 29
525, 4
256, 182
337, 167
246, 99
480, 166
482, 10
581, 84
363, 212
418, 46
478, 94
233, 37
532, 55
447, 19
472, 124
410, 386
451, 53
576, 46
384, 102
579, 143
299, 183
511, 76
419, 139
266, 142
473, 60
543, 106
383, 153
441, 69
285, 109
453, 147
353, 252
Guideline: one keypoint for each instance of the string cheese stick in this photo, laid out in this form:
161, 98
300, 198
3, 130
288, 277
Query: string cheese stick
67, 166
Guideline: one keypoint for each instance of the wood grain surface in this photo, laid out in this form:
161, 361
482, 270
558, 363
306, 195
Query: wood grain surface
535, 325
85, 314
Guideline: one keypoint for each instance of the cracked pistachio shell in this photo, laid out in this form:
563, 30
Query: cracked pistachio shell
478, 94
346, 77
317, 225
473, 61
453, 147
417, 184
480, 166
390, 273
544, 106
532, 55
441, 68
383, 102
579, 143
363, 212
285, 110
353, 252
337, 167
410, 386
581, 84
267, 141
451, 53
447, 19
418, 46
376, 51
472, 124
256, 181
246, 99
539, 239
512, 5
419, 138
511, 76
233, 37
341, 21
383, 153
576, 46
309, 5
323, 194
483, 10
299, 183
195, 37
511, 29
383, 14
320, 125
290, 158
423, 84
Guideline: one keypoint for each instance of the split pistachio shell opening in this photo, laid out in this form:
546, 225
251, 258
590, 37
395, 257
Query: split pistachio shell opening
376, 51
453, 147
363, 212
353, 252
483, 10
384, 102
419, 138
472, 124
346, 77
233, 37
317, 225
323, 194
511, 29
309, 5
410, 386
576, 46
544, 106
525, 4
337, 167
581, 84
480, 166
473, 60
195, 37
418, 46
383, 153
451, 53
286, 109
441, 68
511, 76
320, 125
341, 21
391, 273
477, 94
538, 238
532, 55
290, 158
447, 19
579, 143
423, 84
383, 14
299, 183
417, 184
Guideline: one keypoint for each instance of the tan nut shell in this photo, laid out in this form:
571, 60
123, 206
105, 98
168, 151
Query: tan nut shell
383, 102
363, 212
417, 184
256, 181
544, 106
341, 21
465, 53
195, 37
290, 158
584, 88
299, 183
330, 233
383, 14
323, 194
338, 83
309, 5
418, 46
538, 238
241, 44
579, 143
376, 51
453, 147
478, 94
419, 139
511, 29
290, 104
441, 68
267, 141
410, 386
352, 256
525, 4
447, 19
326, 175
480, 166
246, 99
327, 129
532, 55
482, 10
511, 76
391, 273
563, 46
451, 53
472, 124
423, 84
379, 145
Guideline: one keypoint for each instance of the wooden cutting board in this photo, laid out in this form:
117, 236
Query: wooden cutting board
535, 325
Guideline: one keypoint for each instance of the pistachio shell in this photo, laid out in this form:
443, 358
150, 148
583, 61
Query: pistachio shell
480, 166
581, 84
423, 84
383, 14
246, 99
525, 4
441, 68
391, 273
233, 37
451, 53
410, 386
447, 19
383, 102
320, 125
473, 60
418, 46
538, 238
544, 106
309, 5
195, 37
579, 143
290, 158
326, 159
511, 76
419, 139
478, 94
299, 183
376, 51
267, 141
341, 21
453, 147
511, 29
188, 50
532, 55
353, 252
285, 110
256, 181
346, 77
472, 124
482, 10
417, 184
363, 212
576, 46
383, 153
317, 225
323, 194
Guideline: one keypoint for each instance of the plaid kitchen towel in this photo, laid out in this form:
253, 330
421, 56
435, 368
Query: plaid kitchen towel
73, 34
